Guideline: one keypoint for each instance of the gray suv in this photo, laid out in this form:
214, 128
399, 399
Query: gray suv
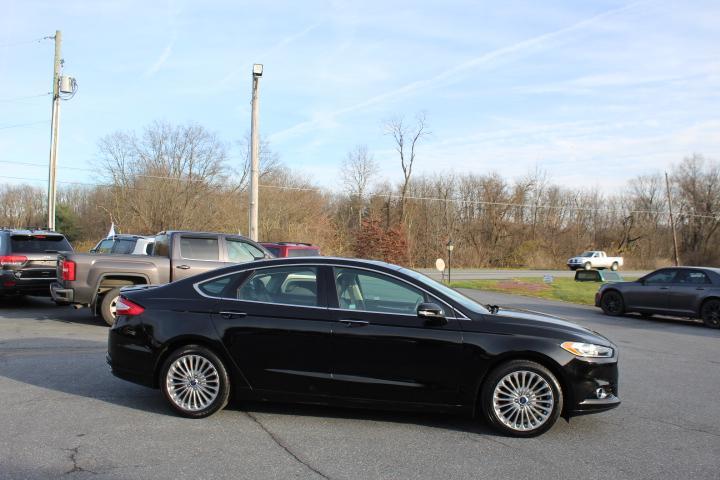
28, 260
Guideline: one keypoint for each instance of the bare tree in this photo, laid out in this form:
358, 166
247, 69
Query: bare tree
165, 178
357, 171
269, 160
406, 138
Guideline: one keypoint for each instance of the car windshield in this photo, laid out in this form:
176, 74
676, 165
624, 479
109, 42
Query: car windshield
463, 300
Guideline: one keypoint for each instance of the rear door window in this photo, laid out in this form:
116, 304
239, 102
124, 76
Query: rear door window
282, 285
39, 244
198, 248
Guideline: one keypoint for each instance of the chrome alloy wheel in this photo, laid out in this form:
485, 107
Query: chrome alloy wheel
113, 306
192, 382
523, 400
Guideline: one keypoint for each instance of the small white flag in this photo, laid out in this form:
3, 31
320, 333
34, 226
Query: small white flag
111, 233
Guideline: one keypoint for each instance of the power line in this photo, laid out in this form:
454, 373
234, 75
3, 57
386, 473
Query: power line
24, 97
391, 196
24, 42
18, 125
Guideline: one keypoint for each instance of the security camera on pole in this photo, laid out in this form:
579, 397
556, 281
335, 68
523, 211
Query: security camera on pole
254, 160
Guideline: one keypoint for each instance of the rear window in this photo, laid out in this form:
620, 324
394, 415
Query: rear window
161, 247
199, 248
39, 244
124, 246
303, 252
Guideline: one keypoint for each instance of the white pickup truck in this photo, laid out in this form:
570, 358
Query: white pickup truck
594, 259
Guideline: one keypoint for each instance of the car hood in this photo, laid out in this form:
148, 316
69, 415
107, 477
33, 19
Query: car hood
541, 324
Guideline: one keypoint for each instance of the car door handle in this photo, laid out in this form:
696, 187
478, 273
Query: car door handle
183, 267
354, 323
230, 315
700, 288
664, 288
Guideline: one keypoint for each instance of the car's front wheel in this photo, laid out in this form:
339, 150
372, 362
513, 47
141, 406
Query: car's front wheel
195, 382
612, 303
710, 313
521, 398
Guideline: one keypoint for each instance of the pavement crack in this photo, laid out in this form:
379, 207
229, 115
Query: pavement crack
76, 468
279, 442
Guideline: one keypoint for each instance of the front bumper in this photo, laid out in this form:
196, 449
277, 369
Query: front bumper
586, 378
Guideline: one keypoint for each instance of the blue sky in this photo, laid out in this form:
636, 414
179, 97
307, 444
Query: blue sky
594, 93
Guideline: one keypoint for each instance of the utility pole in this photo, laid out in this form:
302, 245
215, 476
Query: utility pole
254, 154
672, 221
54, 129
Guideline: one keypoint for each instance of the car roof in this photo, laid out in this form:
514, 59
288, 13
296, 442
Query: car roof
172, 232
25, 231
289, 244
127, 235
691, 267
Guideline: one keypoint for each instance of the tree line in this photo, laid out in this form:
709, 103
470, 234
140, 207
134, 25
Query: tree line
179, 177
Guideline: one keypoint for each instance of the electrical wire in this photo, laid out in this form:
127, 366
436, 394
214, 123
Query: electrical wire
25, 42
395, 196
18, 125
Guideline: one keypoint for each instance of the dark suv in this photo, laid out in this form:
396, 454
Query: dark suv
289, 249
28, 260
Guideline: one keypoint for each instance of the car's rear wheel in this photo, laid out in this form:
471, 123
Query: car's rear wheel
195, 382
612, 303
587, 266
710, 313
108, 306
521, 398
614, 266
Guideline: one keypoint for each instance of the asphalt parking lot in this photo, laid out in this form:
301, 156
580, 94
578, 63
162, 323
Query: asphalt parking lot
64, 415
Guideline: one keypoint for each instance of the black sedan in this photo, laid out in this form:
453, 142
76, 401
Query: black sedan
356, 333
679, 291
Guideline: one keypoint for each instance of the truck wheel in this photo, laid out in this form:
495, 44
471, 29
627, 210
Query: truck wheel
107, 306
587, 266
614, 267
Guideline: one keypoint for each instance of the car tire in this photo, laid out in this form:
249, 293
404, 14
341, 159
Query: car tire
614, 267
521, 398
612, 303
710, 313
107, 306
195, 382
587, 266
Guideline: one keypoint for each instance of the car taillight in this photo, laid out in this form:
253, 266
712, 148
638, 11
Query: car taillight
127, 307
12, 260
68, 270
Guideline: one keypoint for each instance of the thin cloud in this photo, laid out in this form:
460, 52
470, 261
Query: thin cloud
155, 67
452, 73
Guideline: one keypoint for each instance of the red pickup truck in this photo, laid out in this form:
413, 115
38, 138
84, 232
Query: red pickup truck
289, 249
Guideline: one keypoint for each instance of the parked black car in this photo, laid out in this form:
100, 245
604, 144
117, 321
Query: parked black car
356, 333
28, 260
679, 291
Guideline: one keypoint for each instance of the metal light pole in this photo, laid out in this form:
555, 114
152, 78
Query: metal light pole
254, 153
450, 247
54, 129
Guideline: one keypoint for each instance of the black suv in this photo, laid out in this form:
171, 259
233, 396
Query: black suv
28, 260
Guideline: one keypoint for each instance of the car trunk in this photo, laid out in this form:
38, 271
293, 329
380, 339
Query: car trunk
41, 254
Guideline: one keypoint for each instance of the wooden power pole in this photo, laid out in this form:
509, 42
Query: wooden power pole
54, 129
672, 221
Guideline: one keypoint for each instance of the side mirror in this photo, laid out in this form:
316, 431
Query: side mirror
432, 313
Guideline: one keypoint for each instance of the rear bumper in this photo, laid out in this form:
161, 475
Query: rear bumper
60, 294
10, 283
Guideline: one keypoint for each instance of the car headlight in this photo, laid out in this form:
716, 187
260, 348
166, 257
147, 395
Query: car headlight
587, 350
